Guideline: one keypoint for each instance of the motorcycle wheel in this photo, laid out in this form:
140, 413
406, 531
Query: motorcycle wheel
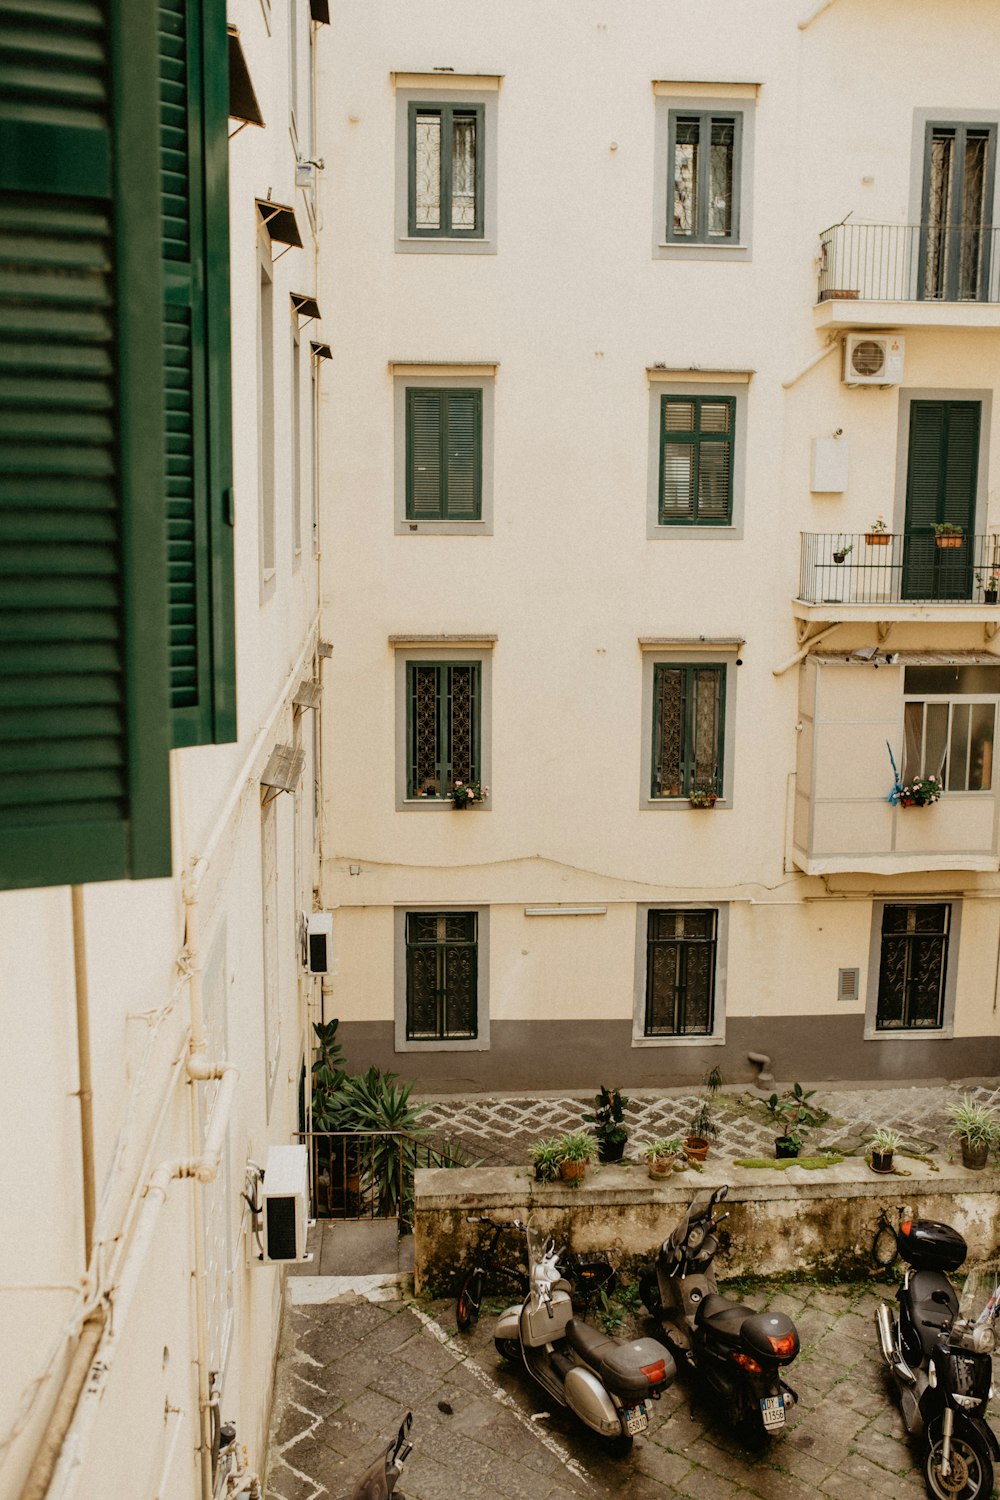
649, 1291
507, 1349
469, 1301
972, 1468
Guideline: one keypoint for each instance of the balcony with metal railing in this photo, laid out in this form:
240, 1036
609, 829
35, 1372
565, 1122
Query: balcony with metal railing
934, 275
899, 576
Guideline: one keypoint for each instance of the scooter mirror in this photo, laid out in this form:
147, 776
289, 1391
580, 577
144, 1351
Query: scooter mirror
720, 1193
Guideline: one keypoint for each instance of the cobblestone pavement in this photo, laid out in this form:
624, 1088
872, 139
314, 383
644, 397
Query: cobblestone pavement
350, 1368
499, 1130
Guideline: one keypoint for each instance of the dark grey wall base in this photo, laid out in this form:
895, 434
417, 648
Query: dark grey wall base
580, 1055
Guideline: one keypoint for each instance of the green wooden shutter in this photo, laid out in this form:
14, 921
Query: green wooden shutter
696, 460
83, 700
194, 206
941, 479
444, 454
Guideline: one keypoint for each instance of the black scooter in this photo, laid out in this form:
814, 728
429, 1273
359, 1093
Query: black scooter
737, 1352
940, 1355
379, 1482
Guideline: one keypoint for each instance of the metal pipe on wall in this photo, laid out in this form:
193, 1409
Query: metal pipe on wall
85, 1092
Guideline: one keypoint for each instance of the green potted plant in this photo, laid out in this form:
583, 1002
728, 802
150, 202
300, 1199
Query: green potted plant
947, 534
545, 1159
703, 1127
977, 1128
878, 534
792, 1114
465, 793
881, 1146
703, 796
573, 1152
920, 792
661, 1154
990, 585
840, 554
609, 1132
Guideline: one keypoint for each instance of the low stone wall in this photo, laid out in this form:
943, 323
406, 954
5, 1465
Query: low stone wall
795, 1220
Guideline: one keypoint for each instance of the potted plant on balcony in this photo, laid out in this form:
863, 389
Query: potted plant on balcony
976, 1128
920, 792
609, 1132
990, 585
703, 796
573, 1153
947, 534
878, 534
466, 792
881, 1146
840, 554
661, 1154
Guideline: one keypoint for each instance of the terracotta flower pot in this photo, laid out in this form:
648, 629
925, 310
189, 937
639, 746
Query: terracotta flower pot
950, 541
696, 1147
572, 1171
878, 538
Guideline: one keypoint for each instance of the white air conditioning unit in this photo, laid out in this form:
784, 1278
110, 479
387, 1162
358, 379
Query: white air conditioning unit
284, 1212
873, 359
318, 957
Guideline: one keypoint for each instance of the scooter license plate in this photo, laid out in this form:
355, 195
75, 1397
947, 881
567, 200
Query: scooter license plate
636, 1419
772, 1409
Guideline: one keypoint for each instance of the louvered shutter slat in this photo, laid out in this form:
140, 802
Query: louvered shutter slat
462, 454
83, 750
425, 417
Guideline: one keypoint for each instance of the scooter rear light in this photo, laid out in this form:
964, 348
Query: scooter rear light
784, 1345
655, 1373
906, 1226
748, 1363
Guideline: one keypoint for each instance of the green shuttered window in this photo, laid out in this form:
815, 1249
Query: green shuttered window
83, 690
194, 207
696, 460
941, 483
444, 454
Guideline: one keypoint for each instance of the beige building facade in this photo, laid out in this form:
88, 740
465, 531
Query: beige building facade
640, 475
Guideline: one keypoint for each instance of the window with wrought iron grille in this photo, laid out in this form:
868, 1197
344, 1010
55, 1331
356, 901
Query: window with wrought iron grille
696, 460
443, 726
703, 165
445, 170
913, 966
681, 948
688, 729
441, 976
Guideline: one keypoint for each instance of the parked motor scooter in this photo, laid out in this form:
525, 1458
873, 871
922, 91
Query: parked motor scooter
379, 1482
738, 1352
940, 1355
606, 1382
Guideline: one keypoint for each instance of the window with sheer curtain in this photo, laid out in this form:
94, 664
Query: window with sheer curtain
949, 722
446, 170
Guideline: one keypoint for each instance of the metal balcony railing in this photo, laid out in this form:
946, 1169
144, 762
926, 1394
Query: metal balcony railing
910, 262
841, 567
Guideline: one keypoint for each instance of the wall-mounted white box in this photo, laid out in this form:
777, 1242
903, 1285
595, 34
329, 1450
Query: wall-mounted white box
828, 465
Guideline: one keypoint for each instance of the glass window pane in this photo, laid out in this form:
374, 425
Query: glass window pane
425, 688
935, 739
707, 683
677, 501
427, 171
713, 481
668, 772
981, 735
958, 748
685, 209
463, 172
720, 179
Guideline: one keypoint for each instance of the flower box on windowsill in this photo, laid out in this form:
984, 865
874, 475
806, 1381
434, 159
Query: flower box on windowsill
702, 798
950, 539
878, 538
839, 294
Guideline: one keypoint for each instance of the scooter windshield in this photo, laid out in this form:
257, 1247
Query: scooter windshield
537, 1244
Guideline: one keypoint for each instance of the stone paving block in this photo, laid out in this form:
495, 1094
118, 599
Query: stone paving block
703, 1484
